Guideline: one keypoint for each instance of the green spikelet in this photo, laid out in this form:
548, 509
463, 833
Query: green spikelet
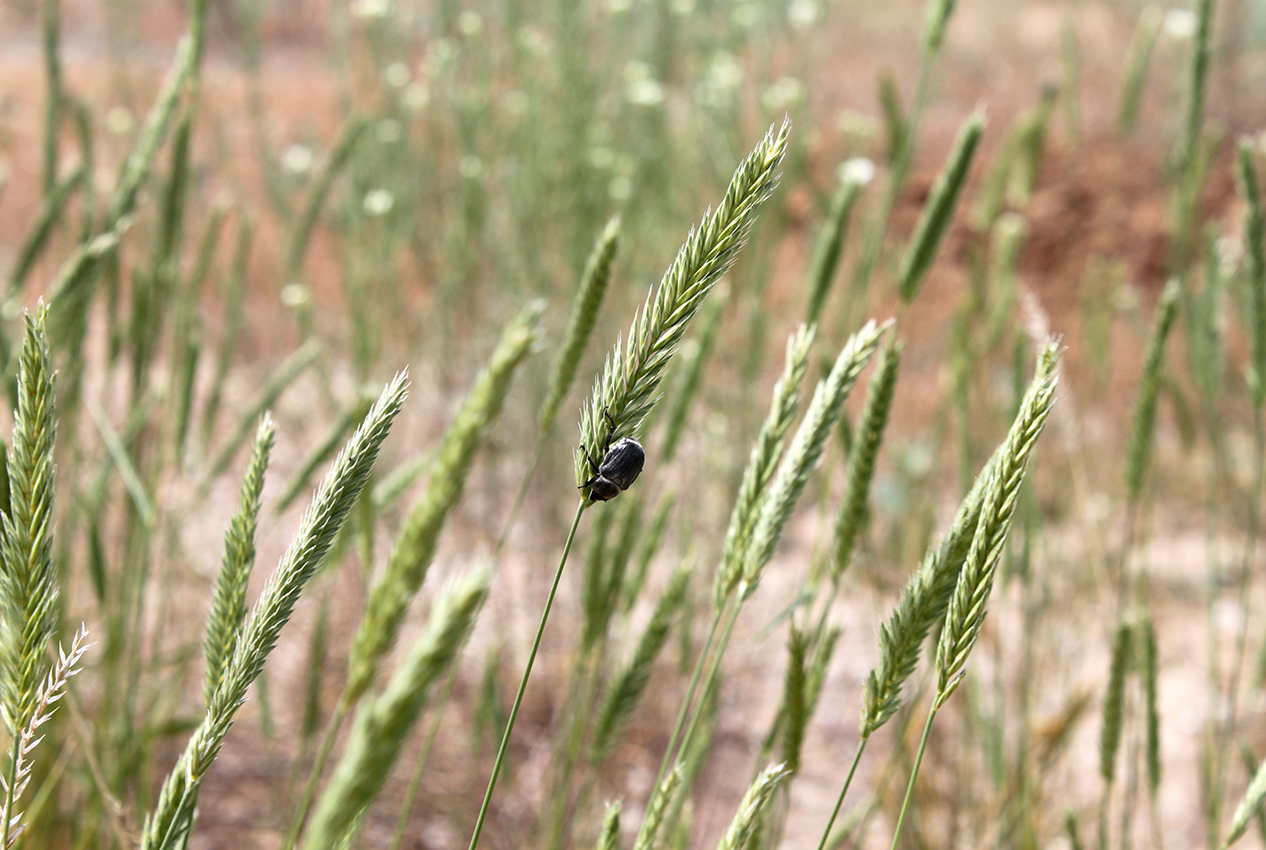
609, 838
763, 463
168, 825
415, 547
861, 458
794, 692
1144, 426
1113, 701
805, 451
625, 392
29, 582
661, 799
939, 209
969, 604
830, 245
584, 315
228, 602
1255, 253
751, 811
385, 721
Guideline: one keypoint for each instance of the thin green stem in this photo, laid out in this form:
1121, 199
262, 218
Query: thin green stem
900, 166
518, 698
839, 801
712, 675
914, 774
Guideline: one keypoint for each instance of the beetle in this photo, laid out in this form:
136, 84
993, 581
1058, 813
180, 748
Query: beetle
621, 464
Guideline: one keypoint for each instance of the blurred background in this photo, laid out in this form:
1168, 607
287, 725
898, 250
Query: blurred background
349, 189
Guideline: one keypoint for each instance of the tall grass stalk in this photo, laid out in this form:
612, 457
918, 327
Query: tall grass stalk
773, 510
969, 604
584, 317
414, 549
936, 26
626, 390
625, 393
29, 581
168, 825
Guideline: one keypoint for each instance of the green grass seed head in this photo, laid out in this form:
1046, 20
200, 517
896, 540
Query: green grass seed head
626, 390
609, 838
751, 811
584, 315
763, 462
802, 456
383, 722
415, 547
1144, 426
936, 215
851, 518
29, 581
228, 601
969, 604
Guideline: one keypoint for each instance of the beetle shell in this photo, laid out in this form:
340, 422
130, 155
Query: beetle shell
620, 467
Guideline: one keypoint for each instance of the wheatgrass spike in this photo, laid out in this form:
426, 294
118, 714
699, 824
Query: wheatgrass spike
1144, 427
626, 390
414, 548
228, 601
969, 604
609, 838
830, 244
1255, 255
29, 580
1114, 701
584, 316
168, 825
661, 800
766, 454
861, 458
751, 811
937, 212
384, 721
802, 456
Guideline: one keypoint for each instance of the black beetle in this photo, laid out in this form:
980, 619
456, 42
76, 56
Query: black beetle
621, 465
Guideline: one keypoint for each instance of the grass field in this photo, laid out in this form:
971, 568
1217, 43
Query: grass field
941, 327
